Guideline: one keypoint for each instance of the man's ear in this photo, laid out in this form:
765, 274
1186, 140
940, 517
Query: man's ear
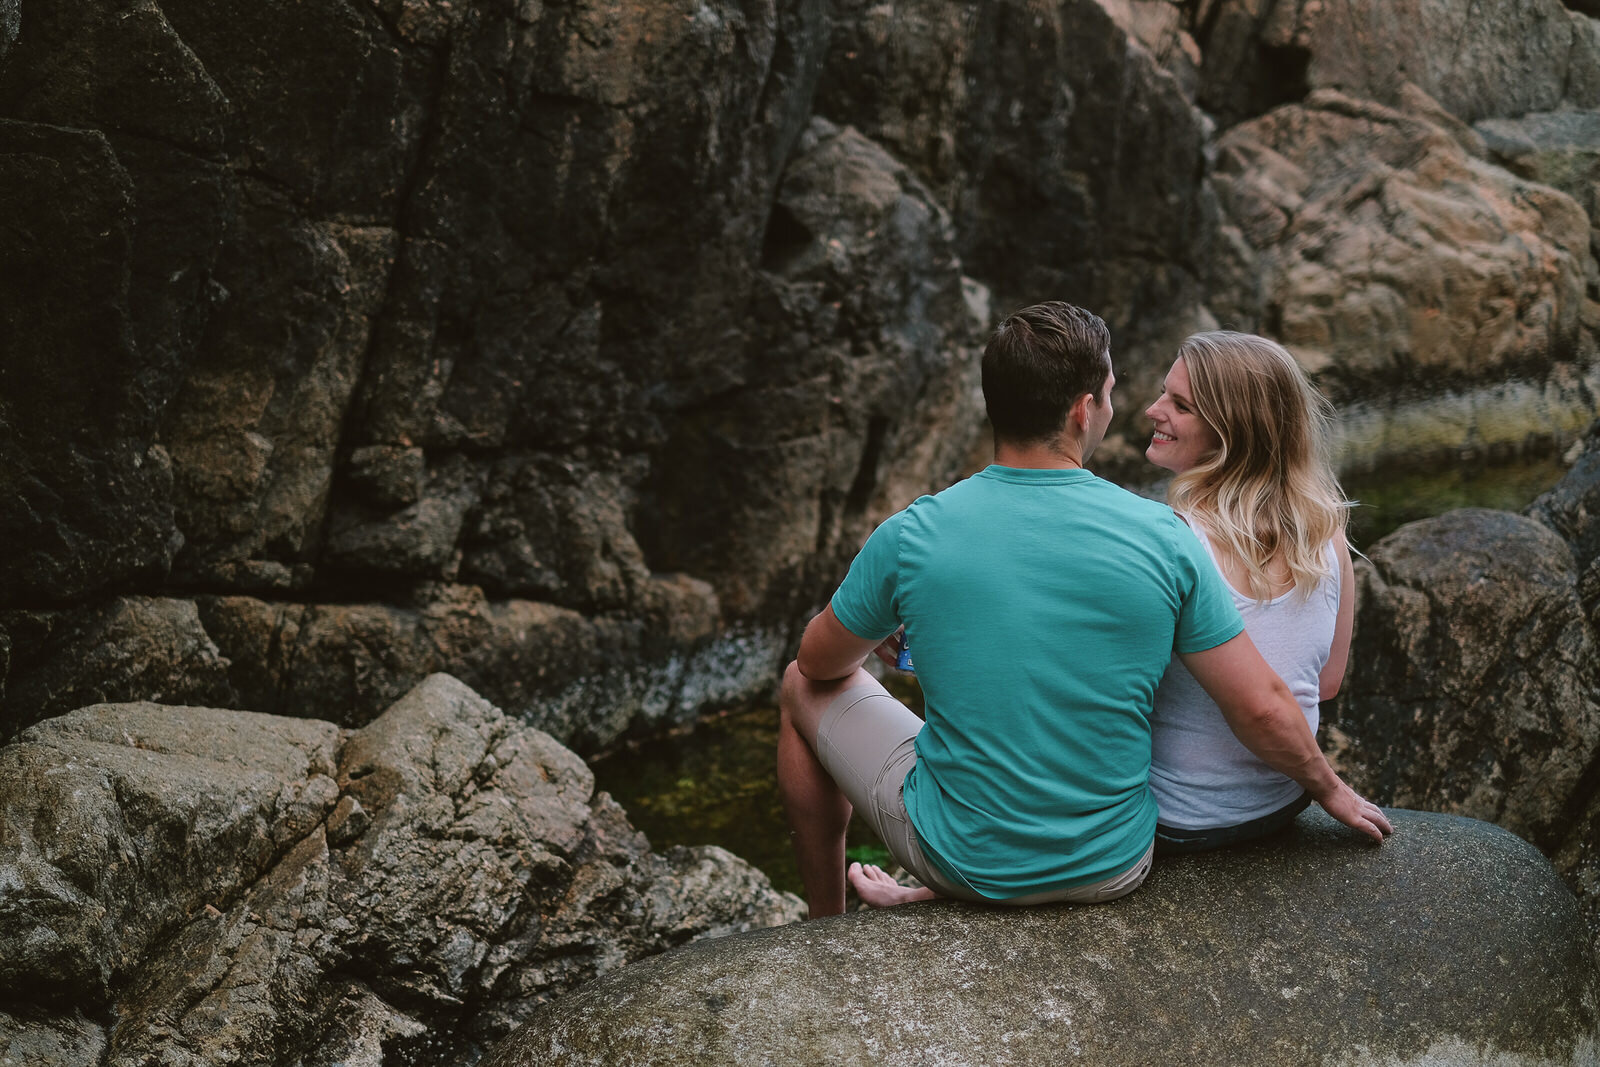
1078, 415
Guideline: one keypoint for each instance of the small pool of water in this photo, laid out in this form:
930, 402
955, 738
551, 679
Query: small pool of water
716, 784
1387, 501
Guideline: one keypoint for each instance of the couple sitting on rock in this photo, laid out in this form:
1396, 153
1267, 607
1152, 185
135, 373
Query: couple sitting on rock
1105, 678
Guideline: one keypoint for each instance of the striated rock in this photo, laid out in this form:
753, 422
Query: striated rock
237, 887
585, 679
1390, 253
254, 428
635, 317
810, 453
130, 648
88, 492
1477, 60
1452, 943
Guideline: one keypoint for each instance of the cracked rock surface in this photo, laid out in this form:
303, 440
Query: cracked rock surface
191, 886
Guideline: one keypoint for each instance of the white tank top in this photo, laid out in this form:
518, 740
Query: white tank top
1200, 775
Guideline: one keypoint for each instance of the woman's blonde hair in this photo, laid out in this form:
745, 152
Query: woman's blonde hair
1269, 492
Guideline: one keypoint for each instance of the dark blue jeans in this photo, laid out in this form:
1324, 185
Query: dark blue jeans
1171, 841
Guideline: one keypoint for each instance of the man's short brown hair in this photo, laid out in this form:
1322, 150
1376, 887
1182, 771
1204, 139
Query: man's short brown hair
1038, 363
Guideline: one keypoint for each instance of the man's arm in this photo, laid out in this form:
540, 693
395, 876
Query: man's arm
828, 651
1264, 716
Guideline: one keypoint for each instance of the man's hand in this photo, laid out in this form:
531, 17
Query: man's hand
1355, 811
889, 651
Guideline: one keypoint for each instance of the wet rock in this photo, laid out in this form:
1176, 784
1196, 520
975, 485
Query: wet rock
242, 887
1452, 943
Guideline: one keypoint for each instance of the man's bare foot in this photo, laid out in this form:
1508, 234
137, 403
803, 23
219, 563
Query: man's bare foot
877, 890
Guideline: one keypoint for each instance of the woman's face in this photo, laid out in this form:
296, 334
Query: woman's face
1181, 439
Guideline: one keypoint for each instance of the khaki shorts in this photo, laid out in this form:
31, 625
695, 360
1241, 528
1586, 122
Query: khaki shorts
866, 740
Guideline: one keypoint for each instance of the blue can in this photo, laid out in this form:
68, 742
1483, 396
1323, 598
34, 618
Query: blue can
903, 661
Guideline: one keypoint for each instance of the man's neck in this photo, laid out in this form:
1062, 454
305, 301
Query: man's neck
1061, 454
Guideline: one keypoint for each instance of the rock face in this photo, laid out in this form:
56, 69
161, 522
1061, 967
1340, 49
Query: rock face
1478, 60
1389, 252
236, 887
1475, 680
573, 308
1452, 943
1073, 162
573, 349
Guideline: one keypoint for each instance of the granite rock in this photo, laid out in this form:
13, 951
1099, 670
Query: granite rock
239, 887
1453, 942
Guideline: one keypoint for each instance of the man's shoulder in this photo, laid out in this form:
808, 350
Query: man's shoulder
1144, 510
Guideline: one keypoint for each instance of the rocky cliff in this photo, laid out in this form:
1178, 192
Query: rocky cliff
574, 347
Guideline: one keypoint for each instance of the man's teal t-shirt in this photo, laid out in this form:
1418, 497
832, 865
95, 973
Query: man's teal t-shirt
1041, 607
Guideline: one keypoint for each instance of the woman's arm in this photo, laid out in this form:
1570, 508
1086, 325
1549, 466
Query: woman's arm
1332, 675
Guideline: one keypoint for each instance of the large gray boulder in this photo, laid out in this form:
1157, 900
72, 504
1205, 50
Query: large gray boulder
237, 887
1474, 682
1453, 943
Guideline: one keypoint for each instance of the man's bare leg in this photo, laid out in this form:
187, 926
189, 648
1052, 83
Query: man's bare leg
876, 889
818, 812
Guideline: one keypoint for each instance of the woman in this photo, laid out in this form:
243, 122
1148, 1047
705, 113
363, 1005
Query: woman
1246, 436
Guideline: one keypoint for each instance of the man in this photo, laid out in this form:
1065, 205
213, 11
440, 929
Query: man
1042, 605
